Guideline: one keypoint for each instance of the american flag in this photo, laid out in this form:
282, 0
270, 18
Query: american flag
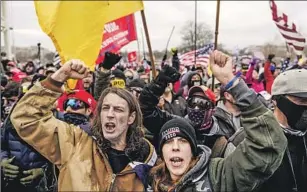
288, 29
202, 56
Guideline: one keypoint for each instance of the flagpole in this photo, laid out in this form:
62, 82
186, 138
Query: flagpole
143, 43
217, 21
148, 44
169, 40
138, 41
195, 31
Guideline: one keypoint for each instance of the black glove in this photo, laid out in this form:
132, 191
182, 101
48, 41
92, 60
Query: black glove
110, 59
270, 57
168, 75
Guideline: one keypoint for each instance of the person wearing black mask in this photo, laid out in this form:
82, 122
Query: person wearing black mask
289, 92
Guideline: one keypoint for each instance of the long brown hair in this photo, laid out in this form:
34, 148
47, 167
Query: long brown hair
162, 179
135, 134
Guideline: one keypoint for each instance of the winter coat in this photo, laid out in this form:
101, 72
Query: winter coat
196, 179
26, 157
286, 179
268, 76
255, 83
254, 160
178, 105
83, 165
102, 82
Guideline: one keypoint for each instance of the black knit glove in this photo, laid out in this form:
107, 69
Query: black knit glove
168, 75
110, 59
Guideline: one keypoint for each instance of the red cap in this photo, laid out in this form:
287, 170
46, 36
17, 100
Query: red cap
203, 89
84, 96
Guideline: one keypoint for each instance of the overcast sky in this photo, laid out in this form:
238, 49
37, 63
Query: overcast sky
242, 23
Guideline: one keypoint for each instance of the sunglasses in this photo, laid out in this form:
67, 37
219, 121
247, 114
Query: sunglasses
199, 102
74, 104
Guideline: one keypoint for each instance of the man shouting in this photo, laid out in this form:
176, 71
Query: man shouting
116, 158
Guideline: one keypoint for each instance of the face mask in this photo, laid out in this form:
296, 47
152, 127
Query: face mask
201, 119
295, 114
196, 116
302, 122
196, 83
75, 118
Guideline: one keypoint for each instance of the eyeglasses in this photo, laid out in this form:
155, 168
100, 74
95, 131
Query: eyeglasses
199, 102
74, 104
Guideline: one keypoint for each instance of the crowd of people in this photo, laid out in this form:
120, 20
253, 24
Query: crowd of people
121, 130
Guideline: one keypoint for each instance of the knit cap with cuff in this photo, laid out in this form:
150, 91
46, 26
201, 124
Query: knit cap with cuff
178, 127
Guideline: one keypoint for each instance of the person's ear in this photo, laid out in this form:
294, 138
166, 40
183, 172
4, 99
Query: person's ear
229, 97
131, 118
88, 111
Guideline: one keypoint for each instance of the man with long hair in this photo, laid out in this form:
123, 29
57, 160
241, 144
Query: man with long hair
116, 158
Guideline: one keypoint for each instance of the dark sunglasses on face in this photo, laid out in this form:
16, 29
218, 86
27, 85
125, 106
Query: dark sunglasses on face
74, 104
199, 102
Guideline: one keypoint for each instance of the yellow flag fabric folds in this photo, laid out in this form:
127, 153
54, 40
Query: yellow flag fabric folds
76, 27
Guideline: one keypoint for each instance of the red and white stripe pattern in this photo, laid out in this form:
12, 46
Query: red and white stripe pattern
202, 56
188, 59
287, 29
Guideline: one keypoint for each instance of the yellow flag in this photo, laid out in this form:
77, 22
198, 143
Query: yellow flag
76, 27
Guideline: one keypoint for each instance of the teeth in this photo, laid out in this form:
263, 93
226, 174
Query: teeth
176, 159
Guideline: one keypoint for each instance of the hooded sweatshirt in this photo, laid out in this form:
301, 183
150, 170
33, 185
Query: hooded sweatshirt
196, 179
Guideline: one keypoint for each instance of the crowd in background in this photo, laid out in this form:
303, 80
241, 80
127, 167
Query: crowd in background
221, 119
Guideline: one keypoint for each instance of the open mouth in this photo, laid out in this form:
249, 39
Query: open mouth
110, 127
176, 161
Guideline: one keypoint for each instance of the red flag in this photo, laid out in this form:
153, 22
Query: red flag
132, 57
287, 29
117, 34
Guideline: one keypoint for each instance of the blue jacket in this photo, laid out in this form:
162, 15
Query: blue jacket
26, 157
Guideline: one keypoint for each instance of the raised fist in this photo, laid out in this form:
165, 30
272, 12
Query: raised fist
168, 74
110, 59
221, 66
72, 69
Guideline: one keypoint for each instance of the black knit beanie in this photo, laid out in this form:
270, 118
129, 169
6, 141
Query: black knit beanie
178, 127
118, 74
